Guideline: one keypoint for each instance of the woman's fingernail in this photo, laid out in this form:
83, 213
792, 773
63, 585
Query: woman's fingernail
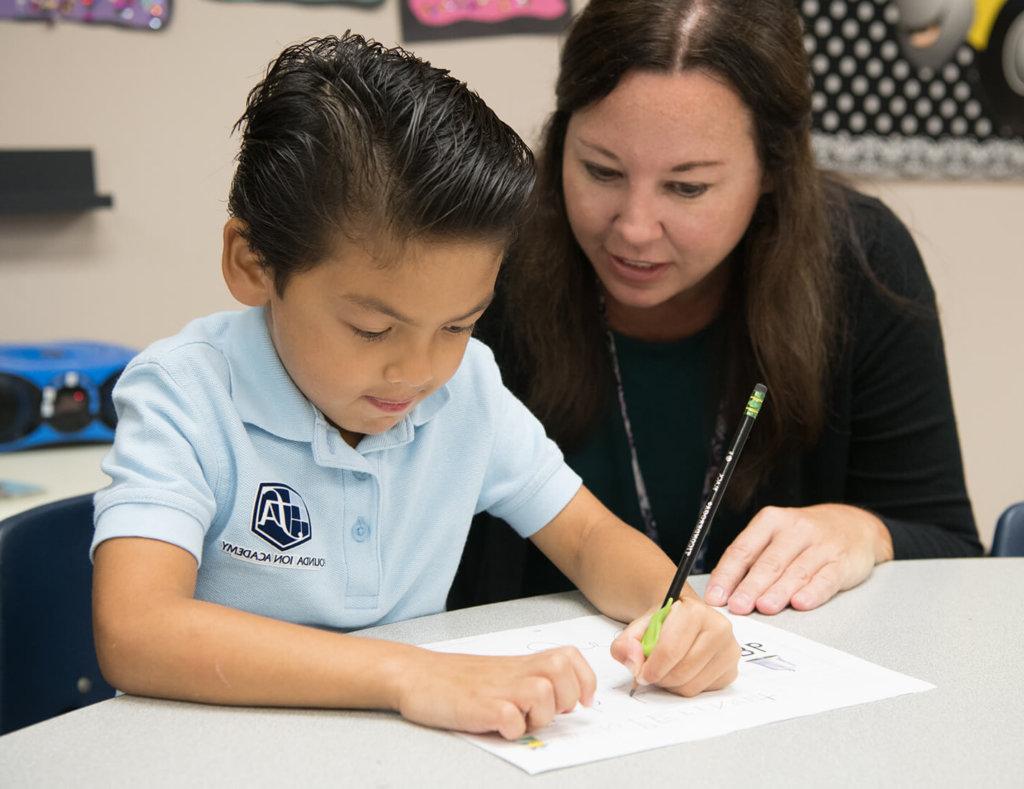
716, 595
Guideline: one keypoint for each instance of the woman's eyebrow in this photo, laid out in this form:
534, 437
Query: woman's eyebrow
679, 168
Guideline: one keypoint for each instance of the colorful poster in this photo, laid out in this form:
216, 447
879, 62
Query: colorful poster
315, 2
424, 20
137, 14
918, 88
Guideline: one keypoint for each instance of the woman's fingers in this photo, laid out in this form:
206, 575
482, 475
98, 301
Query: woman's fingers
740, 557
799, 573
825, 584
789, 538
799, 556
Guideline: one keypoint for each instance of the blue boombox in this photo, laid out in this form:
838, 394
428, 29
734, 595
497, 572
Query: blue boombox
58, 393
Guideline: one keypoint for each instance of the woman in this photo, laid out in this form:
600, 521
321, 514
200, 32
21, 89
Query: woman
685, 247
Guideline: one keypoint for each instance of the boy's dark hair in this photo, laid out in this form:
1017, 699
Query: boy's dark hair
343, 136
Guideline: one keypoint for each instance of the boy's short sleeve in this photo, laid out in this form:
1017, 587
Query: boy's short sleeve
527, 482
158, 465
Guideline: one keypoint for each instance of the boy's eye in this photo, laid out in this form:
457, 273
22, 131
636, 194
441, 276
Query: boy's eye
686, 189
371, 336
599, 173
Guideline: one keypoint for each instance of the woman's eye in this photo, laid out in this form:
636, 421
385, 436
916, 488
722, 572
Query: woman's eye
599, 173
460, 329
371, 336
687, 190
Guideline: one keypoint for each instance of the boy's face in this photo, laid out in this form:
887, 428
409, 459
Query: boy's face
366, 343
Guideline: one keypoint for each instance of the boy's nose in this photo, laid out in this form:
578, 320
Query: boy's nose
414, 371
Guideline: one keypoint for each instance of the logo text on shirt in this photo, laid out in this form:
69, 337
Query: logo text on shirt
273, 559
280, 516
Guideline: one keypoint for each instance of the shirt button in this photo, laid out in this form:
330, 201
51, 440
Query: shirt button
361, 531
360, 476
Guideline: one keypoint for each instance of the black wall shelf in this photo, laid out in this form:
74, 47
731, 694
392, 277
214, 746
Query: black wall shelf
48, 182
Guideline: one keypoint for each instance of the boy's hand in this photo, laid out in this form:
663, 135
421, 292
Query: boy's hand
696, 650
509, 695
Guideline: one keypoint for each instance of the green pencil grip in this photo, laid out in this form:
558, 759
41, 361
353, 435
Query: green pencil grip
650, 637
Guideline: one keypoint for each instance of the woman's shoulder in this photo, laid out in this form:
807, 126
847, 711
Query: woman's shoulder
870, 222
875, 247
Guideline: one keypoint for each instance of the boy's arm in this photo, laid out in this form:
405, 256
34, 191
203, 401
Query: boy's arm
616, 567
153, 638
626, 576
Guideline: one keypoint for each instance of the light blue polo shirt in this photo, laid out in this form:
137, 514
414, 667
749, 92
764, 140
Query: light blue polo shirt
219, 453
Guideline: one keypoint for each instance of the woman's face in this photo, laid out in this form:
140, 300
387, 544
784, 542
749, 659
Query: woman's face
661, 178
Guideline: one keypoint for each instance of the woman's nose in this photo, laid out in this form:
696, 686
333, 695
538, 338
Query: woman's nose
638, 222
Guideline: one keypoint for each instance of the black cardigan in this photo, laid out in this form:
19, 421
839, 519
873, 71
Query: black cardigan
889, 445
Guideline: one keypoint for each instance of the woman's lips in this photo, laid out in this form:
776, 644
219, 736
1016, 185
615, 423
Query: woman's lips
390, 406
632, 270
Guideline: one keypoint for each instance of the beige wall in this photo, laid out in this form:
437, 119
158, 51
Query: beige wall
157, 109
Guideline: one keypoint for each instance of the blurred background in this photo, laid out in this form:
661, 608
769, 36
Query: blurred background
157, 108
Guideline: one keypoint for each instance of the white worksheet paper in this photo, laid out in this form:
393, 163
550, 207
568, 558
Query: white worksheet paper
781, 675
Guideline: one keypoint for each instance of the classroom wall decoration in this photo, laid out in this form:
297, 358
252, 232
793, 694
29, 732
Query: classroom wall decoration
317, 2
917, 88
424, 20
136, 14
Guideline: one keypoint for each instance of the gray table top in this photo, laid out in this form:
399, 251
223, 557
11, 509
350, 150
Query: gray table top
956, 623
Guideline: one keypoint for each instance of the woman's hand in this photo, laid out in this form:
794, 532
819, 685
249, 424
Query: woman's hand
479, 694
798, 556
696, 650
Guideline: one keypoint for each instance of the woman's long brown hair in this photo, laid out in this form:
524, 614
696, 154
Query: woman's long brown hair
780, 318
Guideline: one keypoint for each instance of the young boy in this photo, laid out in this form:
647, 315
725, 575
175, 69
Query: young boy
310, 465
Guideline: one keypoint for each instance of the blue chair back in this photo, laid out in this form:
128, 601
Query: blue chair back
1009, 536
47, 656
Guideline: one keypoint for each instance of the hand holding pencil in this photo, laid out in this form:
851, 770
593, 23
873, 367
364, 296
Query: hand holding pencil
689, 657
696, 650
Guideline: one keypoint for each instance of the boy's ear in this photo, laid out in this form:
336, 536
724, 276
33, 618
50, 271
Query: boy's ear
246, 277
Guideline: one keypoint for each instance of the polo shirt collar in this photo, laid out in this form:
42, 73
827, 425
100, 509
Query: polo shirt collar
265, 395
263, 392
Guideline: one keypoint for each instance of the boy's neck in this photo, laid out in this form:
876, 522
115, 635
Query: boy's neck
352, 439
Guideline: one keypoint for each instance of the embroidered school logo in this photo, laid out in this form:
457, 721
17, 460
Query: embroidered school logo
280, 516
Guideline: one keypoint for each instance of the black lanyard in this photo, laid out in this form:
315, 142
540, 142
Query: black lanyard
717, 443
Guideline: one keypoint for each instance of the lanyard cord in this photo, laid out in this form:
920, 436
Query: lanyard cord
643, 500
650, 526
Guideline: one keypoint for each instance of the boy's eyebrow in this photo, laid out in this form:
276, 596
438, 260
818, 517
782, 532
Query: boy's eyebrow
679, 168
371, 303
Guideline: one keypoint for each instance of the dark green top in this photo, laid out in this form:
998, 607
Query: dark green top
668, 395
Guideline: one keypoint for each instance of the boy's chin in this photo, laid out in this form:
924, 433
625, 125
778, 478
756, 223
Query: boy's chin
381, 424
